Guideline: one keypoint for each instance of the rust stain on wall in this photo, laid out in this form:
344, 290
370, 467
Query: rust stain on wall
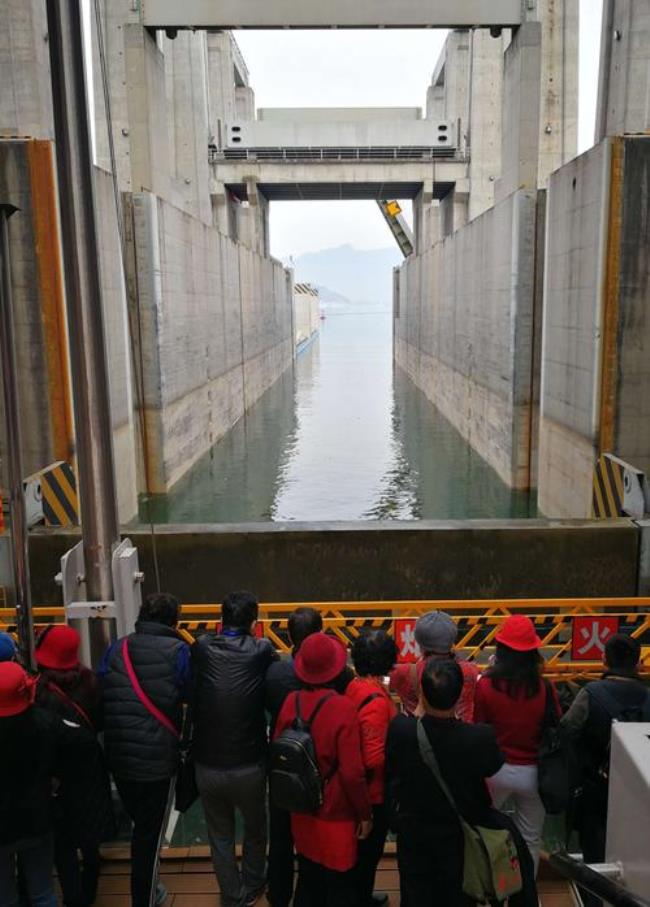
609, 364
40, 156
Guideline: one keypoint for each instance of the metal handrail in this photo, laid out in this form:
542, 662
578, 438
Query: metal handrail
600, 886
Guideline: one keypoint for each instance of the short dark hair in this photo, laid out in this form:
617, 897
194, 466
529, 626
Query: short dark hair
442, 683
622, 652
161, 608
302, 623
374, 654
239, 610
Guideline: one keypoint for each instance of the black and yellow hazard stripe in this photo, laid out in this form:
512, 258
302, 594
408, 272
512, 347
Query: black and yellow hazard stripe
60, 500
608, 488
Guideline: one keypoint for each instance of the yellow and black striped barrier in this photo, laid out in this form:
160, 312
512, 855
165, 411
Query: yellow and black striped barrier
559, 622
60, 499
609, 489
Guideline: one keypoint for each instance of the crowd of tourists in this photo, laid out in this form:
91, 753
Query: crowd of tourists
335, 748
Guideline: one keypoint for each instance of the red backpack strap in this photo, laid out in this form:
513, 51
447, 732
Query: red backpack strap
69, 701
153, 710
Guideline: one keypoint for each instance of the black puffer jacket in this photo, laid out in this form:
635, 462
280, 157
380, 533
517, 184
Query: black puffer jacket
228, 674
138, 747
83, 810
34, 747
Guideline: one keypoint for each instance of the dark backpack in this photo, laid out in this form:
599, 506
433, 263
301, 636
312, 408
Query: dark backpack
617, 711
295, 781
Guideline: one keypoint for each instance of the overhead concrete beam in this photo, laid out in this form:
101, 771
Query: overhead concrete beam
339, 180
333, 14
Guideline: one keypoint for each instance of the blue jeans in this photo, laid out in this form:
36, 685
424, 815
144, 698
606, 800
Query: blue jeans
36, 859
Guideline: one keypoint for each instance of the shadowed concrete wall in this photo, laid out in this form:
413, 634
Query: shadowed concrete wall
27, 180
464, 331
596, 348
346, 561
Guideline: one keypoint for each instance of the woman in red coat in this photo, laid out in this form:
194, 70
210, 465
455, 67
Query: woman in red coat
374, 655
511, 696
326, 841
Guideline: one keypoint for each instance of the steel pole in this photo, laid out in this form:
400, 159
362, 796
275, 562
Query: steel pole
93, 427
19, 543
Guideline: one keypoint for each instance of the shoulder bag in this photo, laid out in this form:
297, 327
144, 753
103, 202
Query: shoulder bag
553, 778
491, 870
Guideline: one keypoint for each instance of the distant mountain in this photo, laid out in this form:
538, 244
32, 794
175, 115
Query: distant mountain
328, 296
360, 275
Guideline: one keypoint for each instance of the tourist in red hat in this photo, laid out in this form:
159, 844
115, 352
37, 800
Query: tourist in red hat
326, 841
511, 696
83, 816
32, 743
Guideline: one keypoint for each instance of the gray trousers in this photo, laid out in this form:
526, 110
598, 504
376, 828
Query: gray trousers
223, 792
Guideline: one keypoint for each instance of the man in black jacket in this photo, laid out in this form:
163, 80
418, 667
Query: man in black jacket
145, 682
619, 696
430, 844
280, 681
230, 744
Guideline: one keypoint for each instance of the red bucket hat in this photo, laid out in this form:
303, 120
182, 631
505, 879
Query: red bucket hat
320, 659
17, 689
58, 648
518, 633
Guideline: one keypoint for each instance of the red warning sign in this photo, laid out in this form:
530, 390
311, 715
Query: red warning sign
590, 635
408, 651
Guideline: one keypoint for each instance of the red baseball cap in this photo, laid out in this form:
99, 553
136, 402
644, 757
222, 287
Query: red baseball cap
518, 633
58, 648
320, 659
17, 689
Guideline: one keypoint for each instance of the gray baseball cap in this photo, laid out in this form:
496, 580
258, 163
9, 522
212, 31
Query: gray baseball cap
436, 632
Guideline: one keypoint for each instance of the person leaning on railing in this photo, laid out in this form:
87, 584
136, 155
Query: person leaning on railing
145, 683
83, 815
33, 745
511, 696
326, 840
374, 654
436, 634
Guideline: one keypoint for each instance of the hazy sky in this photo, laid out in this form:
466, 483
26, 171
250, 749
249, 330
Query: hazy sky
374, 69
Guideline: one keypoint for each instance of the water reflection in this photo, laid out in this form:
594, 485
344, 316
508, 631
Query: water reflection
341, 437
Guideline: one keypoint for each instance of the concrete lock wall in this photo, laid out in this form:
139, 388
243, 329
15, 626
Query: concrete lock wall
216, 332
463, 323
306, 311
306, 562
216, 318
596, 347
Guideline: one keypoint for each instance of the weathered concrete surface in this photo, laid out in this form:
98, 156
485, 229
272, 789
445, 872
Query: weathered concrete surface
216, 332
348, 561
624, 88
577, 223
27, 180
464, 331
521, 107
596, 360
25, 98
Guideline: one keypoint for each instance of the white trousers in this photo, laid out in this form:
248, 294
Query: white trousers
519, 782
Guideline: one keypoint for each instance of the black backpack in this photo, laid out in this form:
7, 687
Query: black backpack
295, 782
616, 711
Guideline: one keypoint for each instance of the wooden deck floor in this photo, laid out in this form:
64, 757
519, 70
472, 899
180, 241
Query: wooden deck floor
189, 879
